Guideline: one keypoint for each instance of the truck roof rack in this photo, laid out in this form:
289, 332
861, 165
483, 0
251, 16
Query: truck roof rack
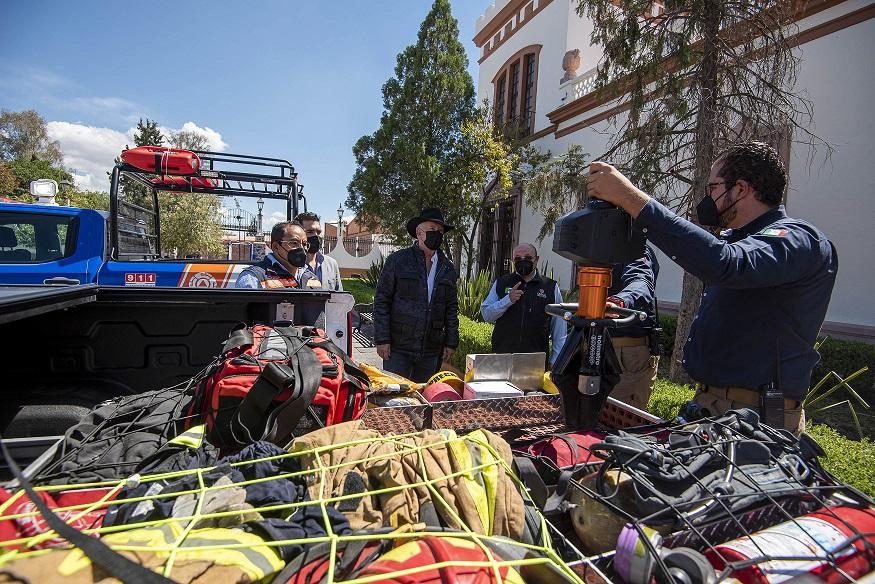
220, 173
232, 175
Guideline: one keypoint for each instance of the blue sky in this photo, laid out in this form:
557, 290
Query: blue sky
292, 79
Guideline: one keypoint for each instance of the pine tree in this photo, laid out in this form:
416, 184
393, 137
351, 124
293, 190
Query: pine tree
146, 134
694, 76
411, 161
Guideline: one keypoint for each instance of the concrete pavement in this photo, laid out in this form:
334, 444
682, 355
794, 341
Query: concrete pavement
365, 354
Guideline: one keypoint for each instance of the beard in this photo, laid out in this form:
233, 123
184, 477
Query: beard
728, 217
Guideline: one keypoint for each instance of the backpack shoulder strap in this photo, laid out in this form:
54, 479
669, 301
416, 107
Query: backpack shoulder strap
240, 336
98, 552
282, 421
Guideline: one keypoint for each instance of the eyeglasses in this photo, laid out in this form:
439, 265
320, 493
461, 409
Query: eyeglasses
520, 258
710, 186
293, 244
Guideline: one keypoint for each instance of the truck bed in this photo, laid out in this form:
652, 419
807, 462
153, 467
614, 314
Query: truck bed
19, 302
70, 348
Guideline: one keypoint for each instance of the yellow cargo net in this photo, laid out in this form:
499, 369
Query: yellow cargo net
167, 542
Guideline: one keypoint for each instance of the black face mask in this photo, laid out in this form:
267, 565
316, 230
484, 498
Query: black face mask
314, 244
523, 267
433, 239
706, 210
297, 257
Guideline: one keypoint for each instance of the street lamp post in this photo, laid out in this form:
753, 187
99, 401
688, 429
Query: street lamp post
260, 203
339, 225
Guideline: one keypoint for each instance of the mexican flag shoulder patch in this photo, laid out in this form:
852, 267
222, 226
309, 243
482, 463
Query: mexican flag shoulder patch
772, 232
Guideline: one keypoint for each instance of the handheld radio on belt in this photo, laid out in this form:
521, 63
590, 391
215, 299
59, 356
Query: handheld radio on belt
586, 370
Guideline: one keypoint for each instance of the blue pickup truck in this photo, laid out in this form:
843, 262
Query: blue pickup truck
91, 308
46, 244
49, 244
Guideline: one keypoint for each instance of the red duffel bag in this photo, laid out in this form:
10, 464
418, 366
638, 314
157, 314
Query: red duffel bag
547, 465
274, 383
565, 451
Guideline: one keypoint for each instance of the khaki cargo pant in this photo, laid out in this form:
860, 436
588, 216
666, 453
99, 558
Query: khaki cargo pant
718, 400
638, 371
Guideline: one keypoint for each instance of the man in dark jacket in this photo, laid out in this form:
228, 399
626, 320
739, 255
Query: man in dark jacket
416, 312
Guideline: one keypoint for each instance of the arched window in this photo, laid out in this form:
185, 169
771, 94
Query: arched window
515, 91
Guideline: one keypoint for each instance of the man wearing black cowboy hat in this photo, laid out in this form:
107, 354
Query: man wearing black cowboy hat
416, 312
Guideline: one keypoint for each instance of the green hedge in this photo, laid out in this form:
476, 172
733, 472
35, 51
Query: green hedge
851, 461
474, 337
845, 357
362, 293
669, 326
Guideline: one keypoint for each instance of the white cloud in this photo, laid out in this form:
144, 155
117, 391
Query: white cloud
214, 138
33, 88
89, 151
270, 220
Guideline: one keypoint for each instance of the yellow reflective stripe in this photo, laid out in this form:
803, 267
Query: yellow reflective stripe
477, 441
191, 438
465, 464
256, 560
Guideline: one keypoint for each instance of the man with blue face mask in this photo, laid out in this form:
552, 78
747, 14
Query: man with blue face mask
768, 280
416, 310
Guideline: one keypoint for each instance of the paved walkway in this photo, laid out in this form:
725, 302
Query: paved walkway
366, 354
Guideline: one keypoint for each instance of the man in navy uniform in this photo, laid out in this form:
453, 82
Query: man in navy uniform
516, 305
768, 281
633, 285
